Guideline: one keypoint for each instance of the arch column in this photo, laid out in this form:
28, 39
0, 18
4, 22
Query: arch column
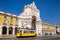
13, 31
39, 28
0, 30
7, 30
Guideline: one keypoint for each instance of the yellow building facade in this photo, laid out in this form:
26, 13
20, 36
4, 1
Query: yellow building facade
8, 23
58, 30
48, 29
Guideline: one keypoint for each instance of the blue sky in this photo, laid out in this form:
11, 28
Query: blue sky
50, 9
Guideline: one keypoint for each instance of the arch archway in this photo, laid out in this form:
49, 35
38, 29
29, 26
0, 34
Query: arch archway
10, 30
15, 30
4, 30
33, 22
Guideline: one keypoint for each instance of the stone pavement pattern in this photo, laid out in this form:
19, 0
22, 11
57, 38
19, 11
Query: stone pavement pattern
29, 39
33, 38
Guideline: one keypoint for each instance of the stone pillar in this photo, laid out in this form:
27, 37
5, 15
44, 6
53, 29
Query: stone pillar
39, 29
7, 31
0, 30
13, 31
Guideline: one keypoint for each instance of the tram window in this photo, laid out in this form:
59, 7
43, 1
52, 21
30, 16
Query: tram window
28, 31
20, 31
32, 31
25, 31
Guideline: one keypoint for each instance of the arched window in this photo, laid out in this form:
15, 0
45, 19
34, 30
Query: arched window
4, 30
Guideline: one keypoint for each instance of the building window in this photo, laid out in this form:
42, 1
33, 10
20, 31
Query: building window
11, 20
16, 21
4, 18
50, 33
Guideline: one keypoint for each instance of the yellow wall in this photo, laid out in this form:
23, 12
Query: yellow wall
1, 19
46, 26
14, 21
58, 29
8, 20
19, 22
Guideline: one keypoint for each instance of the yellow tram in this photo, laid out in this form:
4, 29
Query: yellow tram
25, 33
